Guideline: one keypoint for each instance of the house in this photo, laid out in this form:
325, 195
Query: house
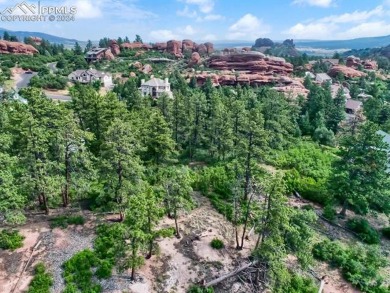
155, 87
331, 62
95, 54
91, 75
323, 77
352, 106
334, 89
310, 75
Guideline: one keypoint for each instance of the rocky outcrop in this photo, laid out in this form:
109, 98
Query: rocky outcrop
195, 59
188, 46
114, 47
253, 62
348, 72
136, 46
109, 55
162, 47
356, 62
175, 48
17, 48
36, 40
263, 42
209, 47
288, 43
147, 69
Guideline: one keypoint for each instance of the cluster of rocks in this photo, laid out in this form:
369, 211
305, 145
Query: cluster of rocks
254, 62
348, 72
147, 68
7, 47
174, 47
356, 62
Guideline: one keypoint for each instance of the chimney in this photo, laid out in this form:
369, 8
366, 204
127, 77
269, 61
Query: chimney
166, 80
142, 81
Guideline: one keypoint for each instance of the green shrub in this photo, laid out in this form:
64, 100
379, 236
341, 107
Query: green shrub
10, 239
196, 289
364, 230
65, 221
42, 280
359, 265
329, 212
78, 272
217, 243
301, 284
386, 232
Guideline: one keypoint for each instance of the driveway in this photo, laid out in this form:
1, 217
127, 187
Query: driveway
25, 80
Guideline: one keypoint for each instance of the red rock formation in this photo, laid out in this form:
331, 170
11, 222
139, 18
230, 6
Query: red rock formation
7, 47
201, 49
36, 40
209, 47
114, 47
109, 55
174, 47
195, 59
188, 46
136, 46
353, 62
147, 69
348, 72
160, 46
370, 64
253, 62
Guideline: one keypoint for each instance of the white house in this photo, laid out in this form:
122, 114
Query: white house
155, 87
91, 75
323, 77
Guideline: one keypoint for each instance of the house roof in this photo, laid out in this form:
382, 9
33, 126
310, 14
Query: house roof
155, 82
353, 104
333, 61
323, 76
96, 51
92, 72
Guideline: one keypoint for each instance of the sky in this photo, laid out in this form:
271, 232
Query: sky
214, 20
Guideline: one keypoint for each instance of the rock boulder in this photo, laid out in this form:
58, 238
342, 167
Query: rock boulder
7, 47
174, 47
348, 72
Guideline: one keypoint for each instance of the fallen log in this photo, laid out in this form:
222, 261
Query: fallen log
231, 274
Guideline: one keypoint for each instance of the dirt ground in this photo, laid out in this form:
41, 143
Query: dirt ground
176, 264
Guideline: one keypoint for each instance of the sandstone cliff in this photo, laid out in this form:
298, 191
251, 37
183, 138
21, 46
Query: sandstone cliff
7, 47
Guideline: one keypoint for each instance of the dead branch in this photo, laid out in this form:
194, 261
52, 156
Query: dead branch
231, 274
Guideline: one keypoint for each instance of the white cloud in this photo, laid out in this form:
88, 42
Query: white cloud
368, 29
163, 35
187, 31
205, 6
320, 3
186, 12
86, 8
356, 16
311, 31
354, 24
210, 37
248, 27
210, 17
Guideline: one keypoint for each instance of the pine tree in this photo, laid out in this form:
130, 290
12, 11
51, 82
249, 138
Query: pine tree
121, 166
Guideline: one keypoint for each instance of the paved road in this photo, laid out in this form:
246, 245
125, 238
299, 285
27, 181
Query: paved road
25, 80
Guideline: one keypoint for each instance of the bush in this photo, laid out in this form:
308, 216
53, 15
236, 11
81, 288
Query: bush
196, 289
359, 265
386, 232
65, 221
78, 272
42, 280
217, 243
10, 239
301, 284
364, 230
329, 212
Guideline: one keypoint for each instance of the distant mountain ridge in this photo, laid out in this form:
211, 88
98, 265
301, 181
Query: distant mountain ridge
359, 43
51, 38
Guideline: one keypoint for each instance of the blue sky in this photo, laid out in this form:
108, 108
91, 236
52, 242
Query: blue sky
213, 20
